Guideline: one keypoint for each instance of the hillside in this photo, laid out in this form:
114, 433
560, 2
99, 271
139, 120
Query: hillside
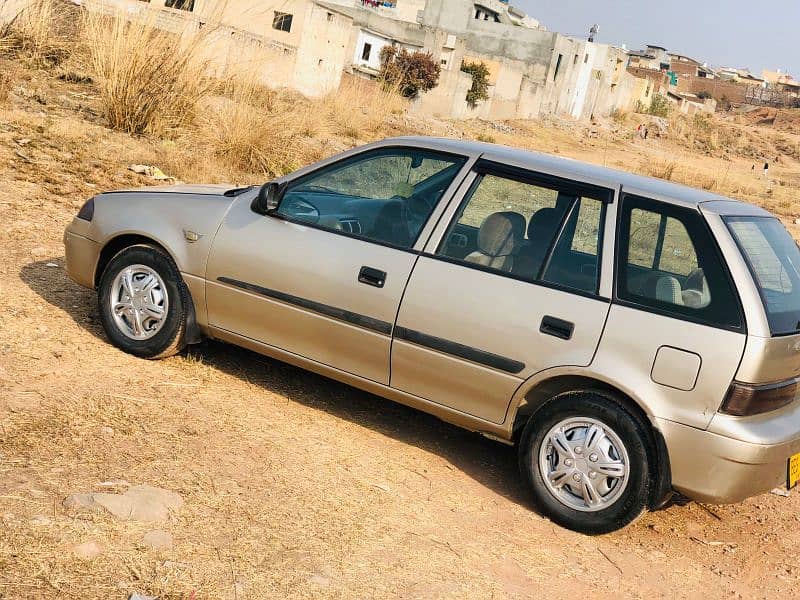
288, 484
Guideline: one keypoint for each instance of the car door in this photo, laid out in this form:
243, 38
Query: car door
322, 275
507, 287
675, 333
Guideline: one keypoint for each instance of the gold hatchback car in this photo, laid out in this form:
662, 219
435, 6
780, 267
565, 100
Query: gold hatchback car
631, 336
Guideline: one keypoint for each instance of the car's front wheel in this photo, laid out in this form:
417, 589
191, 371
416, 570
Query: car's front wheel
142, 303
584, 459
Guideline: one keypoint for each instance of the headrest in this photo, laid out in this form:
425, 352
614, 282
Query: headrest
544, 219
501, 233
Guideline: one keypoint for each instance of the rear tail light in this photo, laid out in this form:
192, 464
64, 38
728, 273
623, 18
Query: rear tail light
87, 210
744, 399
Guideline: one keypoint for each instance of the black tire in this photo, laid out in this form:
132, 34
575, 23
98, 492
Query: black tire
630, 503
170, 339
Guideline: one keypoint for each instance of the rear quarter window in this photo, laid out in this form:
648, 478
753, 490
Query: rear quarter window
774, 261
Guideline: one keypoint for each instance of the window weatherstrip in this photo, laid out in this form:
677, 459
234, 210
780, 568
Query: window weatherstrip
554, 243
334, 312
495, 361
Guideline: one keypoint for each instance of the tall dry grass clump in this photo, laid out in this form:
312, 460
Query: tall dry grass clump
360, 108
150, 79
270, 132
254, 129
42, 32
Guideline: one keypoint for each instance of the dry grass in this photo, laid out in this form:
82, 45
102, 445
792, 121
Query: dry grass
43, 33
150, 80
6, 85
661, 169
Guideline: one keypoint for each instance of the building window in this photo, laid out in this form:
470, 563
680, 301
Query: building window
586, 59
365, 52
558, 66
575, 60
282, 21
187, 5
330, 17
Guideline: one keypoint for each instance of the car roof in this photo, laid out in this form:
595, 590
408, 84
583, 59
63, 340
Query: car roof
650, 187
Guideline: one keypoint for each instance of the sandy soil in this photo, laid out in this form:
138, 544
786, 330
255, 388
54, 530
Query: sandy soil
293, 485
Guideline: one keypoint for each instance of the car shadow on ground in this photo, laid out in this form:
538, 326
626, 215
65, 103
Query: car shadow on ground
49, 280
492, 464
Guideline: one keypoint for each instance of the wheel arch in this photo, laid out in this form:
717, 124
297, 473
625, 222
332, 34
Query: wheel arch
548, 389
117, 244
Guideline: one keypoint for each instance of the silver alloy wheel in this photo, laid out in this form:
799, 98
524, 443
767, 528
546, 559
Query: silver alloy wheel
584, 464
139, 302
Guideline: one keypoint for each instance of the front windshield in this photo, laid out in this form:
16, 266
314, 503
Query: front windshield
774, 260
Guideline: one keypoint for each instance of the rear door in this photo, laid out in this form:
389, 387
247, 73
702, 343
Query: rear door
507, 286
675, 333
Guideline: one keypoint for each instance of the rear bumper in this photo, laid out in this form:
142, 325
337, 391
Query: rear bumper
82, 255
718, 469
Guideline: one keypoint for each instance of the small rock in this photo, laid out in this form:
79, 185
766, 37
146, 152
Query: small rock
319, 580
81, 503
24, 141
40, 521
107, 431
158, 539
138, 596
51, 265
779, 491
39, 251
88, 550
138, 503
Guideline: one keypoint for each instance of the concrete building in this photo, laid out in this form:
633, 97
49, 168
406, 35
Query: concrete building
307, 45
782, 82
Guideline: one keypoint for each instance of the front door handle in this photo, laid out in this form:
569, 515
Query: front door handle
557, 327
373, 277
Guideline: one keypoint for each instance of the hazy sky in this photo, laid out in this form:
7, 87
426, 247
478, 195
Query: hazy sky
736, 33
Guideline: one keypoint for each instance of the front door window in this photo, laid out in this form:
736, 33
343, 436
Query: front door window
384, 196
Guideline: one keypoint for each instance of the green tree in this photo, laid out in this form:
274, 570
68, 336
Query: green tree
480, 82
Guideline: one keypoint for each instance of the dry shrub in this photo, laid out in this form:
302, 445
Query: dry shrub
150, 78
664, 169
360, 108
43, 32
6, 83
270, 132
255, 129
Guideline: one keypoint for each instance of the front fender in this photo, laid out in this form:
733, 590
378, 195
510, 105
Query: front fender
183, 224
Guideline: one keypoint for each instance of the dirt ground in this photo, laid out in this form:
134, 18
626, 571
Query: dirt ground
292, 485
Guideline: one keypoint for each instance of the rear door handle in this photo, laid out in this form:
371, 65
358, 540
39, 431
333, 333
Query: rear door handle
557, 327
373, 277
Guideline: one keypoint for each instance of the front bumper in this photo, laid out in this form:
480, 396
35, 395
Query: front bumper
712, 467
82, 255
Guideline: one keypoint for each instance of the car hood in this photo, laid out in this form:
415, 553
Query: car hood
204, 189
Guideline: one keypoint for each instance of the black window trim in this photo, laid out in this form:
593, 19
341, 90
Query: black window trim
568, 186
454, 185
668, 207
485, 166
281, 19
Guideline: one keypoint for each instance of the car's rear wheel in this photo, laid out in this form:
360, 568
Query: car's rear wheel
584, 460
142, 302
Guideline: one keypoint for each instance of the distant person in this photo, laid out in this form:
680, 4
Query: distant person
646, 132
766, 170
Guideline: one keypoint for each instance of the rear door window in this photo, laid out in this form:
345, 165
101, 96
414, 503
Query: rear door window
530, 227
668, 262
774, 260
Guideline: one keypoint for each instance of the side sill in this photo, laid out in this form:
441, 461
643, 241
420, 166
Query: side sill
454, 417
